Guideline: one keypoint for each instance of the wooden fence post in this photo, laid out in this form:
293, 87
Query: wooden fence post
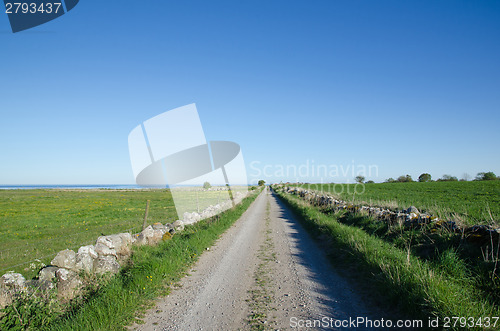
145, 215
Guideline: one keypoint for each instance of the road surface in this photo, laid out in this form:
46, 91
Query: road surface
264, 271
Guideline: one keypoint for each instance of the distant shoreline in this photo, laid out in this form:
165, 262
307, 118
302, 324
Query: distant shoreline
74, 187
88, 187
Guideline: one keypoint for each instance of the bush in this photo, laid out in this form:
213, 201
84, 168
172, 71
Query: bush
486, 176
206, 185
425, 177
448, 178
359, 179
405, 179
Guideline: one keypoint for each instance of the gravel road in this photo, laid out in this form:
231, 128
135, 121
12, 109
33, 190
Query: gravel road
264, 271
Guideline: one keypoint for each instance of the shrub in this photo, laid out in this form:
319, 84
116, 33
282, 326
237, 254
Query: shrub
425, 177
405, 179
486, 176
448, 178
359, 179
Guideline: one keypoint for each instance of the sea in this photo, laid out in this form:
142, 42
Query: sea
78, 186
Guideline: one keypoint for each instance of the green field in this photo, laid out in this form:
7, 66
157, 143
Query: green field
469, 202
111, 303
36, 224
425, 274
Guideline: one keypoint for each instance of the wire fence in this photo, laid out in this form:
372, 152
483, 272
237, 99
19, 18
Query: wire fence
34, 259
32, 250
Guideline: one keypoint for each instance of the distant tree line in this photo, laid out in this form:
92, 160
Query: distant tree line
361, 180
425, 177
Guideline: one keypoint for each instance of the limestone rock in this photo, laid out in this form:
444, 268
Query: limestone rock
85, 258
10, 284
412, 209
157, 237
179, 225
106, 263
159, 226
143, 237
46, 277
117, 245
151, 236
412, 216
68, 284
190, 218
90, 250
169, 226
65, 259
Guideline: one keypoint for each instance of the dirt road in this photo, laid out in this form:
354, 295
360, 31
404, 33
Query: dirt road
264, 271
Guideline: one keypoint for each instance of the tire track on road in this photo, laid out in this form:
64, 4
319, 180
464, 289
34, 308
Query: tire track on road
264, 273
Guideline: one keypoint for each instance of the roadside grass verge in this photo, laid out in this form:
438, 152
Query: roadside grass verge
446, 250
421, 288
151, 272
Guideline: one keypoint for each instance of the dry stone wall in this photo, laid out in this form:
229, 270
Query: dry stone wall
411, 217
107, 255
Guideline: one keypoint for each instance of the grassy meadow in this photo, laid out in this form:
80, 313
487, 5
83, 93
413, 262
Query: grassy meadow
112, 303
425, 275
36, 224
476, 202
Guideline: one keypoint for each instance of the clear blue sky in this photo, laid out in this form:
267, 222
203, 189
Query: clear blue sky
408, 86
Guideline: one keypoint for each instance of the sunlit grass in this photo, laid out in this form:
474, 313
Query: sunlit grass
445, 287
151, 272
471, 202
36, 224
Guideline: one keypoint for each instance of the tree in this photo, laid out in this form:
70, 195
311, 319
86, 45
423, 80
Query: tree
405, 179
448, 178
261, 182
370, 182
359, 179
425, 177
390, 180
206, 185
486, 176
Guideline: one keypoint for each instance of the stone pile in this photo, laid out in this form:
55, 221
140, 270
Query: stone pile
410, 218
210, 211
107, 256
